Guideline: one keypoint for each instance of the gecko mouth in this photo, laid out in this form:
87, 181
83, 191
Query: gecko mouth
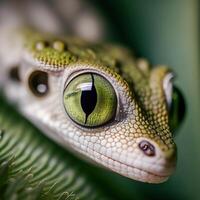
133, 172
144, 172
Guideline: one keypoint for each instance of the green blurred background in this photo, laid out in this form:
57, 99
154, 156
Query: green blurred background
165, 32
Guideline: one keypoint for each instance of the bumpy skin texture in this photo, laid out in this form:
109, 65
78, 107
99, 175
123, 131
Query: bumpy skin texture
142, 110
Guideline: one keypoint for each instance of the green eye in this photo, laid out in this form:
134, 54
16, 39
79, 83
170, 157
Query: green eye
90, 100
177, 109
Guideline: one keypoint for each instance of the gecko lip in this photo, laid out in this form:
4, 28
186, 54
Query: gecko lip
151, 177
131, 171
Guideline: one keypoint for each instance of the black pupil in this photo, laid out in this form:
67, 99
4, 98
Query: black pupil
89, 99
38, 83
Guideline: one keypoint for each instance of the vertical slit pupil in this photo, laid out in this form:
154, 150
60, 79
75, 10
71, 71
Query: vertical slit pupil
89, 100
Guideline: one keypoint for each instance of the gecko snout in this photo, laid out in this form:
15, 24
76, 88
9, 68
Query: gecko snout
158, 160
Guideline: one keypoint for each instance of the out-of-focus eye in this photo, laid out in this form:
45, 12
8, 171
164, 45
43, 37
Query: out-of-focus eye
90, 100
38, 83
14, 74
177, 109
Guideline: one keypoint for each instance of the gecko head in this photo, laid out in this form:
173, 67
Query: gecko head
111, 112
126, 126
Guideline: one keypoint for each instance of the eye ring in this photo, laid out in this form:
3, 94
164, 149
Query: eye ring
96, 100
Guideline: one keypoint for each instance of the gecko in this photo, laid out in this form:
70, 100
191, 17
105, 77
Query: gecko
95, 99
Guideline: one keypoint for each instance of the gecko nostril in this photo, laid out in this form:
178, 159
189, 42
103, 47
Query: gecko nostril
147, 148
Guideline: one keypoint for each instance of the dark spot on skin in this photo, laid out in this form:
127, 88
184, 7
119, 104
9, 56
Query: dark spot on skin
38, 83
118, 66
65, 46
46, 43
89, 100
147, 148
123, 74
14, 74
40, 45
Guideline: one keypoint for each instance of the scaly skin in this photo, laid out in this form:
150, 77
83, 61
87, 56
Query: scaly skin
137, 143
